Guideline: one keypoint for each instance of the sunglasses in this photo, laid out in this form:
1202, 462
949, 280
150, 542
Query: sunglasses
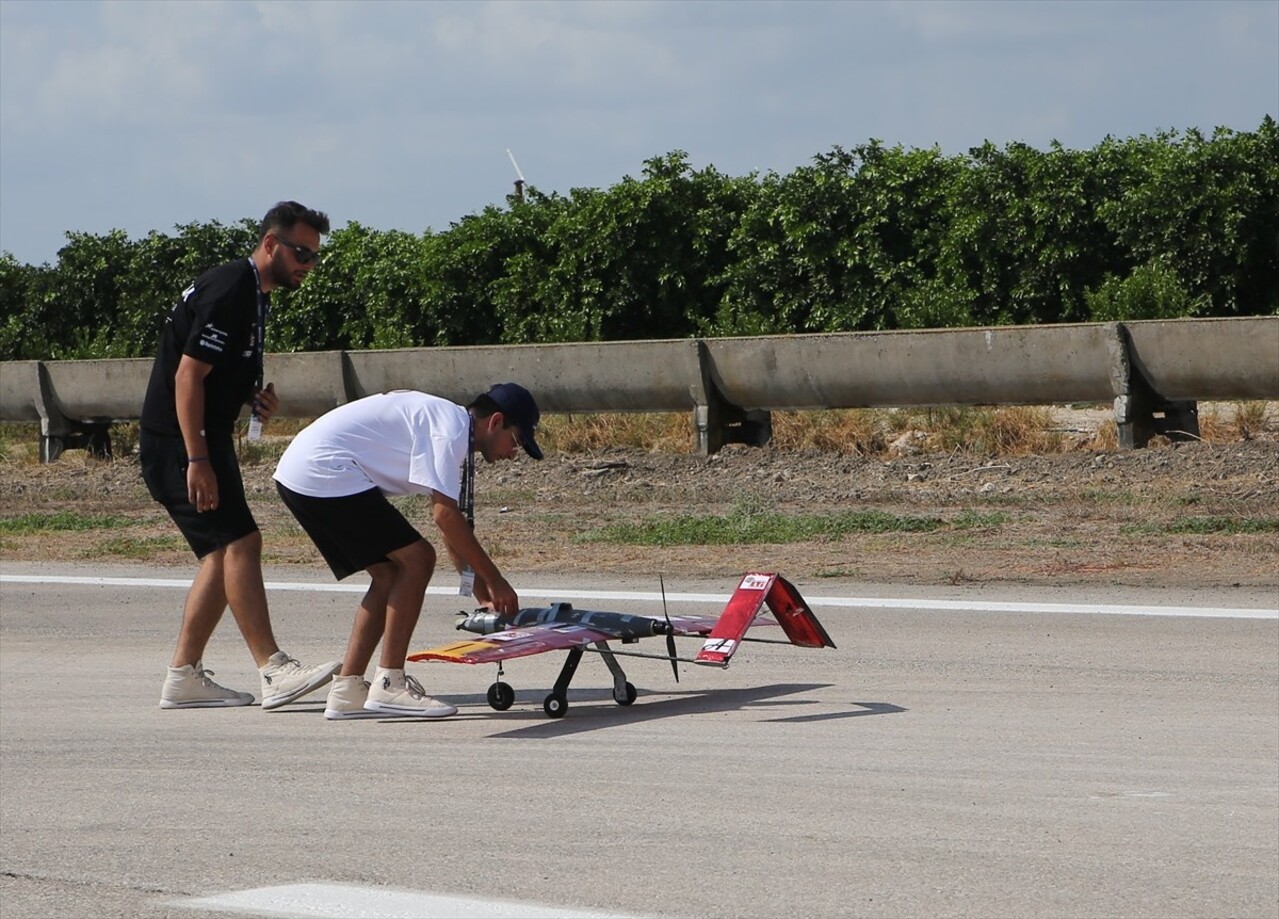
304, 255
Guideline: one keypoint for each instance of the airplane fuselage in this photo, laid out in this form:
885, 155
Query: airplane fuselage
622, 625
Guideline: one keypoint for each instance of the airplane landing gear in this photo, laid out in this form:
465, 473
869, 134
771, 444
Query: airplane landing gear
501, 696
555, 706
623, 692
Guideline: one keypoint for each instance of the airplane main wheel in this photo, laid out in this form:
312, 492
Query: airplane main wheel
626, 699
501, 696
555, 706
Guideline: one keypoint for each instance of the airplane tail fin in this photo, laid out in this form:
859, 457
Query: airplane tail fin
798, 621
787, 606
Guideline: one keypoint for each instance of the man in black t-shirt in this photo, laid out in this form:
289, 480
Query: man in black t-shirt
208, 367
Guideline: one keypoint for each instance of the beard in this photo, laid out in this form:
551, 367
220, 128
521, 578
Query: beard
281, 275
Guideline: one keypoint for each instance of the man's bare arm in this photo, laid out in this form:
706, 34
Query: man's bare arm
188, 394
465, 551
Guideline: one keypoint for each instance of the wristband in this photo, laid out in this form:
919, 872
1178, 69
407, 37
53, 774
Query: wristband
197, 459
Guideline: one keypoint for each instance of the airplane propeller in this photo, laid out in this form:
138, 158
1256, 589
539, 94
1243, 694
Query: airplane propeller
670, 631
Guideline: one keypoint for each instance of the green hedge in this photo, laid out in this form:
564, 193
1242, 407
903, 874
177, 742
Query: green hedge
876, 237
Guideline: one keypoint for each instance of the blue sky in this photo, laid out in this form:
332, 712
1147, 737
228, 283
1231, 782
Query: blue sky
145, 114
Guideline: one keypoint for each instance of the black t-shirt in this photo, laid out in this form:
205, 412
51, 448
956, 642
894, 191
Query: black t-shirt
214, 322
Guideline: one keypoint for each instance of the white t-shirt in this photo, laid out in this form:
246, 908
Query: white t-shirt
403, 442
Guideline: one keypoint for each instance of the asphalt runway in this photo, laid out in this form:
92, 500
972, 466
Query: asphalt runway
940, 762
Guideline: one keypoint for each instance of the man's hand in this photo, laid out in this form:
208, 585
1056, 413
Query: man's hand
490, 588
265, 403
496, 594
202, 486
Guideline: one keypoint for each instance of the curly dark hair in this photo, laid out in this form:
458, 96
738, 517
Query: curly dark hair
286, 214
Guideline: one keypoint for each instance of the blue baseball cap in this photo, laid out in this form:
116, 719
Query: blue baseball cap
517, 405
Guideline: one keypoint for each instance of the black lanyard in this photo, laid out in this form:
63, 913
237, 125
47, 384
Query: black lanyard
468, 476
259, 337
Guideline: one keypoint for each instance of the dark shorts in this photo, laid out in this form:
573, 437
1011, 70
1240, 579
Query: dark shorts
164, 469
351, 532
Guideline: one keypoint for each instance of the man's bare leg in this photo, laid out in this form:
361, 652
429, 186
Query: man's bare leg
246, 594
414, 565
370, 620
205, 603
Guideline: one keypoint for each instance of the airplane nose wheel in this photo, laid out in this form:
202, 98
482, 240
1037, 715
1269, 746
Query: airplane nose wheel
555, 706
501, 696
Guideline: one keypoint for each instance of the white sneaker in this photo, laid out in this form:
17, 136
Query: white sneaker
190, 687
285, 679
395, 693
347, 696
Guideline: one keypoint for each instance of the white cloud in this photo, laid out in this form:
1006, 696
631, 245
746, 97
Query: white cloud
115, 62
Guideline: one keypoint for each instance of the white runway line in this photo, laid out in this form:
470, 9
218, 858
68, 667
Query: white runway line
817, 602
347, 901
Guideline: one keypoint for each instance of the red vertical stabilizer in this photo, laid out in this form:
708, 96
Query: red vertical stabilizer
743, 606
790, 610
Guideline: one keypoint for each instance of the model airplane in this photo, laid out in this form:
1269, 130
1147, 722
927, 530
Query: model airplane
560, 627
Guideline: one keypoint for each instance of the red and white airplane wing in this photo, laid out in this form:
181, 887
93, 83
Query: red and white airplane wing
516, 642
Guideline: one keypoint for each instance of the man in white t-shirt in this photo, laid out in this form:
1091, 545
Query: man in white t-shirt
335, 477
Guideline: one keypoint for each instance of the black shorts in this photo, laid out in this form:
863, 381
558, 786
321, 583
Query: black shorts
352, 532
164, 469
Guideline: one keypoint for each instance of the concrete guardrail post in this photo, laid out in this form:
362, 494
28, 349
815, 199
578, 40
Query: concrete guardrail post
1140, 411
717, 420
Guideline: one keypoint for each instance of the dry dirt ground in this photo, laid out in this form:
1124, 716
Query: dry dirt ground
1095, 518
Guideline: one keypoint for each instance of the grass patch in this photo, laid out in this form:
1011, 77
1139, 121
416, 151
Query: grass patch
996, 432
19, 442
748, 524
971, 520
143, 549
1118, 498
837, 573
864, 432
413, 507
982, 431
1062, 542
745, 526
521, 496
62, 521
1243, 421
657, 433
261, 452
1230, 526
1206, 526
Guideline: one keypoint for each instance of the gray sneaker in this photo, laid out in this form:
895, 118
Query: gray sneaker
346, 699
190, 687
285, 680
395, 693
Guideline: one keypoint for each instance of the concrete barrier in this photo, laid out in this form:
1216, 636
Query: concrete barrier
1030, 365
1153, 372
100, 390
22, 396
307, 383
628, 376
1217, 359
